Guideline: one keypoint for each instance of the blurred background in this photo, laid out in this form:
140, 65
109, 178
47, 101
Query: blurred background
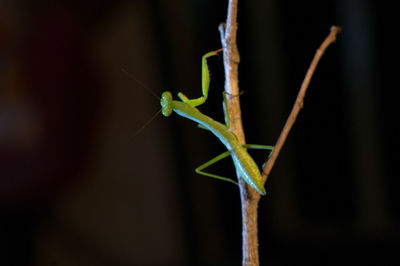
79, 186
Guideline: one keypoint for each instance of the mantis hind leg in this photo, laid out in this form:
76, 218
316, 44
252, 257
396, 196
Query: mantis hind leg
260, 147
200, 171
223, 155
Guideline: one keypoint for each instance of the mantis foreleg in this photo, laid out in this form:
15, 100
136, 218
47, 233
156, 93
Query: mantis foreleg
205, 78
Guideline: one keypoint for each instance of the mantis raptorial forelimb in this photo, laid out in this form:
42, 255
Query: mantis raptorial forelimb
244, 163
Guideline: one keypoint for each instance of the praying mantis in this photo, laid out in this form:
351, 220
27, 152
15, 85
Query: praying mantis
244, 163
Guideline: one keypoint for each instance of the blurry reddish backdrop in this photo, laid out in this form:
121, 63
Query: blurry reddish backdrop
78, 186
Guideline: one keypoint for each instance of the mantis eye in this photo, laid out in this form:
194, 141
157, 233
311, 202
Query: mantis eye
166, 103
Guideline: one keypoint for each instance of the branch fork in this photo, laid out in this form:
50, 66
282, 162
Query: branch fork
250, 197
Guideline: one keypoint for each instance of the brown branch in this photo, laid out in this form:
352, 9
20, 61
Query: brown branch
249, 197
299, 101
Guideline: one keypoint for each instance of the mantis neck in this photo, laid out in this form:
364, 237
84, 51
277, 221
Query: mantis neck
220, 130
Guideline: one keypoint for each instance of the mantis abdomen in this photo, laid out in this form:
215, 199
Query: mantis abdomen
244, 164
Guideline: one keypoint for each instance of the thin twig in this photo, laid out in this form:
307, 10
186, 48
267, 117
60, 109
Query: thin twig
299, 100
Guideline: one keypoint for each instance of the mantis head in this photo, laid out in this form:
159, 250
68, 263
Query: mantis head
166, 103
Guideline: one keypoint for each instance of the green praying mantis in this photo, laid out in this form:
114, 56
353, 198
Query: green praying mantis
244, 163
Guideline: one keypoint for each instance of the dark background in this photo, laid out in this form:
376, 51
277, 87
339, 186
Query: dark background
79, 186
